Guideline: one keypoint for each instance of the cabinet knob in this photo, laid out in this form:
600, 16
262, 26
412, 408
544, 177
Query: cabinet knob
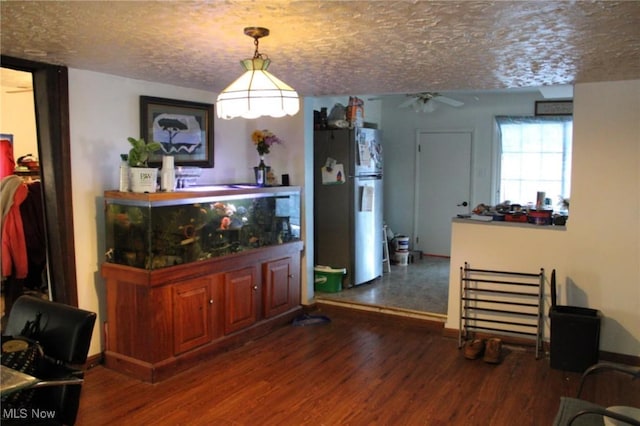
255, 287
290, 275
211, 301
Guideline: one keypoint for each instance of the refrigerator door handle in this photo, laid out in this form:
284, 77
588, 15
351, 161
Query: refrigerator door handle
367, 177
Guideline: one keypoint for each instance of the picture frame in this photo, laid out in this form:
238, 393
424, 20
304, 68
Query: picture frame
554, 108
183, 128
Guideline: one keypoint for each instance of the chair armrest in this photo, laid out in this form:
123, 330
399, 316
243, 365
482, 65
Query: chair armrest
634, 372
59, 382
605, 413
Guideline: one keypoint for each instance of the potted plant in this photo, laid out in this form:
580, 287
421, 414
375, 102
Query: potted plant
142, 177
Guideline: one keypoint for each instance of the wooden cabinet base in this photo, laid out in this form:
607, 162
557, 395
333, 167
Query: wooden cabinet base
165, 321
156, 372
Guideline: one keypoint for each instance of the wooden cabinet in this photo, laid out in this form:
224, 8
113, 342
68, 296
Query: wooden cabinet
196, 307
240, 294
281, 285
163, 321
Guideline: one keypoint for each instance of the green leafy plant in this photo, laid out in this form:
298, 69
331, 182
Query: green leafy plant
564, 203
140, 151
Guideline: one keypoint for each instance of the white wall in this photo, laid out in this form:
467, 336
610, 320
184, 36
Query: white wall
104, 111
18, 117
598, 256
400, 127
604, 243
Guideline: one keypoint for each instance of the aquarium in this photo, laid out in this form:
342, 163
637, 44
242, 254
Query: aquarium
159, 230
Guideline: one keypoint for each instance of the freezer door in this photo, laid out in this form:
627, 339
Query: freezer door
337, 145
333, 227
368, 229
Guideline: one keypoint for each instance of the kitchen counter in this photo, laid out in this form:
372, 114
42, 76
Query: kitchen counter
509, 224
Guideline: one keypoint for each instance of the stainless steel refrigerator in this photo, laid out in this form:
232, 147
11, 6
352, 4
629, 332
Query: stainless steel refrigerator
348, 202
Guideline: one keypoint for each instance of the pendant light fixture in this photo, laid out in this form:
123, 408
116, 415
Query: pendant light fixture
257, 92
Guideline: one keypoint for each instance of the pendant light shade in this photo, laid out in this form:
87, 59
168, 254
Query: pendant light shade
257, 92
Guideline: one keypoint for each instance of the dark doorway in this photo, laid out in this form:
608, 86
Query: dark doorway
51, 99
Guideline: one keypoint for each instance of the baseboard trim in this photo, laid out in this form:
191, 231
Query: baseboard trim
407, 313
93, 361
432, 322
620, 358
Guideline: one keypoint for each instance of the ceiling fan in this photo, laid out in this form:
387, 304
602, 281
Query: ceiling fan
425, 101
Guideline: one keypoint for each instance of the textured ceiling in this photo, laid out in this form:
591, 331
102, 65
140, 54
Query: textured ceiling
336, 47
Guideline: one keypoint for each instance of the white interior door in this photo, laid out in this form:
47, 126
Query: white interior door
443, 188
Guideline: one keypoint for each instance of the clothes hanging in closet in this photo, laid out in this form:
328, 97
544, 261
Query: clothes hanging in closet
13, 191
32, 213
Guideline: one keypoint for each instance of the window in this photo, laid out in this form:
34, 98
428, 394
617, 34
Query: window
535, 155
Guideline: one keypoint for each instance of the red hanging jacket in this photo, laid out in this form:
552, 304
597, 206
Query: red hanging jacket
7, 164
14, 247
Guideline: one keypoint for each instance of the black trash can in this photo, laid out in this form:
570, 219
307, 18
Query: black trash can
575, 335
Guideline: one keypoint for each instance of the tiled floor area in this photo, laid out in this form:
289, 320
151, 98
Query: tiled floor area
420, 287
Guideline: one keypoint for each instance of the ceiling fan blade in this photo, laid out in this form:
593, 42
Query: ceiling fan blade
448, 101
408, 103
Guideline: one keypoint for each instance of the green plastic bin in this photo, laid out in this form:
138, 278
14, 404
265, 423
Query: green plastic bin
328, 280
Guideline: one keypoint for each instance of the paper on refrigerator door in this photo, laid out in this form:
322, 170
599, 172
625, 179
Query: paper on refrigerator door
367, 199
364, 151
333, 175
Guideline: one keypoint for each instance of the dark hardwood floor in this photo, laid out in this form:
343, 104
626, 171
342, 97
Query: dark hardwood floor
360, 369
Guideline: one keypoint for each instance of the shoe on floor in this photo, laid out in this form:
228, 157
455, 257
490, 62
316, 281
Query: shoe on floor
474, 349
493, 351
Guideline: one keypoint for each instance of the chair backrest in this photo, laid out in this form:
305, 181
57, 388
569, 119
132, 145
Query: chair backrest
65, 331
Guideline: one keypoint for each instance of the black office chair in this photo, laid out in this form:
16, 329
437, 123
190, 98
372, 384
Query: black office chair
579, 412
65, 335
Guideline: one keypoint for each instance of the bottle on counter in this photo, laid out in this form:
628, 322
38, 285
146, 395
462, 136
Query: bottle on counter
168, 174
124, 173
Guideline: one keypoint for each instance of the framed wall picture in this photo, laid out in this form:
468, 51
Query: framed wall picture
554, 107
183, 128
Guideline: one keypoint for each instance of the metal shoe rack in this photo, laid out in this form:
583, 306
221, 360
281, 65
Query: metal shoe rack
501, 302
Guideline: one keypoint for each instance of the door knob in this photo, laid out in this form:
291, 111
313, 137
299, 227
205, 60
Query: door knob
463, 204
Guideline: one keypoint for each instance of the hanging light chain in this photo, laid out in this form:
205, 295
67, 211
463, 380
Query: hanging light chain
256, 42
256, 33
256, 54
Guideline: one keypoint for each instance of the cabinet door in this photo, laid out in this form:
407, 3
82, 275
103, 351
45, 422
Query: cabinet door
278, 291
240, 294
193, 313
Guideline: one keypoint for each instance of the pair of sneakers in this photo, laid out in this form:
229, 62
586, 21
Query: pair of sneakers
490, 350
